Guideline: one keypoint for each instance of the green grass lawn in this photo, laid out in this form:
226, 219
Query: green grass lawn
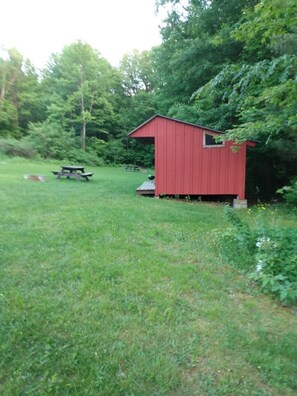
104, 292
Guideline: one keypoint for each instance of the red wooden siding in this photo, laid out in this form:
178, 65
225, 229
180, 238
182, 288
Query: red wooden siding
184, 167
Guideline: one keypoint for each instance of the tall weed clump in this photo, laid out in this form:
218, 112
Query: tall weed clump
267, 253
236, 244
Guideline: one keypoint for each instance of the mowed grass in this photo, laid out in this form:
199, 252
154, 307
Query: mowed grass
107, 293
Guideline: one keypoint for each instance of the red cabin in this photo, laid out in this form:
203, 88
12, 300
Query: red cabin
189, 161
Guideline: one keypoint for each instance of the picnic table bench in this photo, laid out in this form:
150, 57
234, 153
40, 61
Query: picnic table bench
78, 172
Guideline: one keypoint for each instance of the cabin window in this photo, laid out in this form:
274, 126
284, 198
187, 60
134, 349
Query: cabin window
210, 141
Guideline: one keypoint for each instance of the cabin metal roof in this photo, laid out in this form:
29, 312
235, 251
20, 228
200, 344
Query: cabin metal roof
174, 119
182, 122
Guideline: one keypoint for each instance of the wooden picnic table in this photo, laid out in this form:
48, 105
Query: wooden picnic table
132, 168
78, 172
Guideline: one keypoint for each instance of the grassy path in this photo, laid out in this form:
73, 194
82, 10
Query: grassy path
103, 292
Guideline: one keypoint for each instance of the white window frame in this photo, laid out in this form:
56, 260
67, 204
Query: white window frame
222, 144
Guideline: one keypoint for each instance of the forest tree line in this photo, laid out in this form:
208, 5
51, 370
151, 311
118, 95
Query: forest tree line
223, 64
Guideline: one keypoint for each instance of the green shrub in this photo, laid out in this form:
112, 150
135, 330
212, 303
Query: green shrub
96, 146
269, 254
81, 157
277, 252
276, 263
17, 148
141, 154
114, 152
50, 140
289, 193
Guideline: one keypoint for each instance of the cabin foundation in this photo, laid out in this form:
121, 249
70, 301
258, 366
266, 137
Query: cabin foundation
240, 204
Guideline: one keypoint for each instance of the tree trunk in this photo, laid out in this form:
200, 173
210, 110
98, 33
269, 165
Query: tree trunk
84, 122
83, 135
3, 85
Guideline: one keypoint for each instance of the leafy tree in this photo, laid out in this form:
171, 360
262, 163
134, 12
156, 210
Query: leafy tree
138, 82
137, 72
19, 95
269, 28
79, 84
196, 45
